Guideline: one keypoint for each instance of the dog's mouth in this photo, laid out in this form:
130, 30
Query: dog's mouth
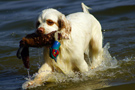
33, 40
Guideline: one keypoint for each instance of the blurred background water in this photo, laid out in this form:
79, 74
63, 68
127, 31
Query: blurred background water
117, 17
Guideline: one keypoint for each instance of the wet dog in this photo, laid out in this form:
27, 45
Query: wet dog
81, 34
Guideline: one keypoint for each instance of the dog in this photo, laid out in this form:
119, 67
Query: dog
81, 35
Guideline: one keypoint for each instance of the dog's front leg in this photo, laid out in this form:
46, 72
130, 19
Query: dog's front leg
42, 76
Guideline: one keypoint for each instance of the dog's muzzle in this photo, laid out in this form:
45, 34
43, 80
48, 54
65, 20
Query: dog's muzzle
40, 30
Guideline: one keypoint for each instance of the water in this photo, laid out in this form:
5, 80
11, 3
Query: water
117, 18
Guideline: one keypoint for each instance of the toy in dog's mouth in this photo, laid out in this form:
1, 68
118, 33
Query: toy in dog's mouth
33, 40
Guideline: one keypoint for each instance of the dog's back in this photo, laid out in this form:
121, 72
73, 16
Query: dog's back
84, 27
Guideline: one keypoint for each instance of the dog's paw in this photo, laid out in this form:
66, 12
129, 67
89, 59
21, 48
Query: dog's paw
29, 84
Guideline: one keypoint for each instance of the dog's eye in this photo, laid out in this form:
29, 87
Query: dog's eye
49, 22
37, 24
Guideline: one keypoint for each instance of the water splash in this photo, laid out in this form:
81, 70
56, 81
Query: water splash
108, 62
110, 68
28, 78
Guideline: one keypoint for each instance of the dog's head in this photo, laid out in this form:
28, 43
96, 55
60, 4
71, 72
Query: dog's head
52, 20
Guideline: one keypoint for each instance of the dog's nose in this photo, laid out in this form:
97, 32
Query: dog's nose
40, 30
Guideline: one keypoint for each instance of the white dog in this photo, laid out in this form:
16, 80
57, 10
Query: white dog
81, 34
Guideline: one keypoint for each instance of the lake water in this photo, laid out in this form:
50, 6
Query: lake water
117, 17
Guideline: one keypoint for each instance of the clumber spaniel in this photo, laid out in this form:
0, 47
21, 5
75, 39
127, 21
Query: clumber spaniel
81, 34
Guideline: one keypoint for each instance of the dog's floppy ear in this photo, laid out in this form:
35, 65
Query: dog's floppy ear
64, 27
